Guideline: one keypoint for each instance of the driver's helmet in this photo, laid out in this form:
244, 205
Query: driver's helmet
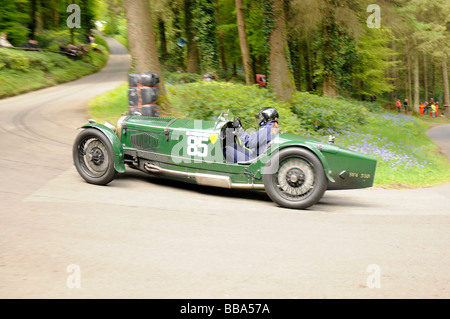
267, 114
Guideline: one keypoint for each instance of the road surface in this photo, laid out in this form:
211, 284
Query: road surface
141, 237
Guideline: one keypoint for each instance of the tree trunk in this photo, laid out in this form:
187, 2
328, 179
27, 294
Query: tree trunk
416, 83
176, 28
192, 60
425, 78
55, 14
433, 80
329, 81
33, 10
394, 75
329, 86
223, 60
446, 102
294, 49
410, 101
307, 67
192, 50
281, 79
141, 38
246, 61
162, 39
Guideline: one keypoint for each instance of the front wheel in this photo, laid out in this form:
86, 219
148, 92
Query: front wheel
298, 181
93, 157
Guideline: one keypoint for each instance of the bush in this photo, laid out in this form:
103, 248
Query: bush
181, 78
22, 71
205, 100
14, 60
319, 113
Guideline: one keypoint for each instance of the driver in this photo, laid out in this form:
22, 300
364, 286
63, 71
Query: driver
249, 146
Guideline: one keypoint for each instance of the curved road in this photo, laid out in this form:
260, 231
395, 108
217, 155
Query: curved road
140, 237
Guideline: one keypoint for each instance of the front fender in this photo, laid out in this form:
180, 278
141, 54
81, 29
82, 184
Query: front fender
119, 164
257, 167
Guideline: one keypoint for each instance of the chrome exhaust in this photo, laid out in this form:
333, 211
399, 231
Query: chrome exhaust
202, 179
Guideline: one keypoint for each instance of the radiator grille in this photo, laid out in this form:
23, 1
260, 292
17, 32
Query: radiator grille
144, 141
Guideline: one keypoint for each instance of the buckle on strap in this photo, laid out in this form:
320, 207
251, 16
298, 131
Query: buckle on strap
166, 129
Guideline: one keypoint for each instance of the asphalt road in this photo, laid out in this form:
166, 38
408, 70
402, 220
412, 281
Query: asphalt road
141, 237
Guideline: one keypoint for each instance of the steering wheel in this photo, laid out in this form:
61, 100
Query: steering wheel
237, 122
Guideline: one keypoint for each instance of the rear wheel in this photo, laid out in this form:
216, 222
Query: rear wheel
298, 181
93, 157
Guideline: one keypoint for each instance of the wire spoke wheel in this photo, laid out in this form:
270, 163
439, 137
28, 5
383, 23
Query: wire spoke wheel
299, 180
295, 179
92, 152
94, 157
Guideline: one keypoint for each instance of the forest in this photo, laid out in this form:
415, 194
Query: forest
393, 49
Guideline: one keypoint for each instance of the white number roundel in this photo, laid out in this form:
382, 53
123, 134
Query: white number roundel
196, 146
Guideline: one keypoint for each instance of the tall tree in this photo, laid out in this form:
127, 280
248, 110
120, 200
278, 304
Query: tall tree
416, 83
142, 39
191, 42
246, 61
162, 39
33, 15
425, 77
178, 51
446, 102
206, 28
280, 78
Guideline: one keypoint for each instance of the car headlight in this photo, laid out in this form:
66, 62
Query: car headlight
120, 122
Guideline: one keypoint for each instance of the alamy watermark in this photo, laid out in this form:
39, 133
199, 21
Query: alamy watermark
374, 279
374, 20
74, 19
74, 279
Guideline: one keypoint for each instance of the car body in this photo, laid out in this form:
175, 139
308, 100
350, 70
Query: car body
294, 170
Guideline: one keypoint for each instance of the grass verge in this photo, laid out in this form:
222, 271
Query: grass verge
24, 71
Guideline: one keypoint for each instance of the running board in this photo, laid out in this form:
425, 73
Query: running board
202, 179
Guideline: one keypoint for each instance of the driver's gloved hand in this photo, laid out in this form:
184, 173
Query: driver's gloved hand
237, 123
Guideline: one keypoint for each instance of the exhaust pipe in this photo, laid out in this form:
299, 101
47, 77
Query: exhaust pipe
201, 179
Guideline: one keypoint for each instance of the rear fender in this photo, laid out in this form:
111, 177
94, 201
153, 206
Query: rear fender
119, 164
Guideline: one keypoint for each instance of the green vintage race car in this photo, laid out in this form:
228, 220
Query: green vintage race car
294, 171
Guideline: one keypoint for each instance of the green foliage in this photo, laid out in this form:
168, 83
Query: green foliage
336, 54
205, 23
374, 60
205, 100
51, 39
22, 71
227, 28
328, 115
258, 32
13, 15
181, 78
267, 27
231, 76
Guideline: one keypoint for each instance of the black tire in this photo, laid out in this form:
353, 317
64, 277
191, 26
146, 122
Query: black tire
296, 179
93, 157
